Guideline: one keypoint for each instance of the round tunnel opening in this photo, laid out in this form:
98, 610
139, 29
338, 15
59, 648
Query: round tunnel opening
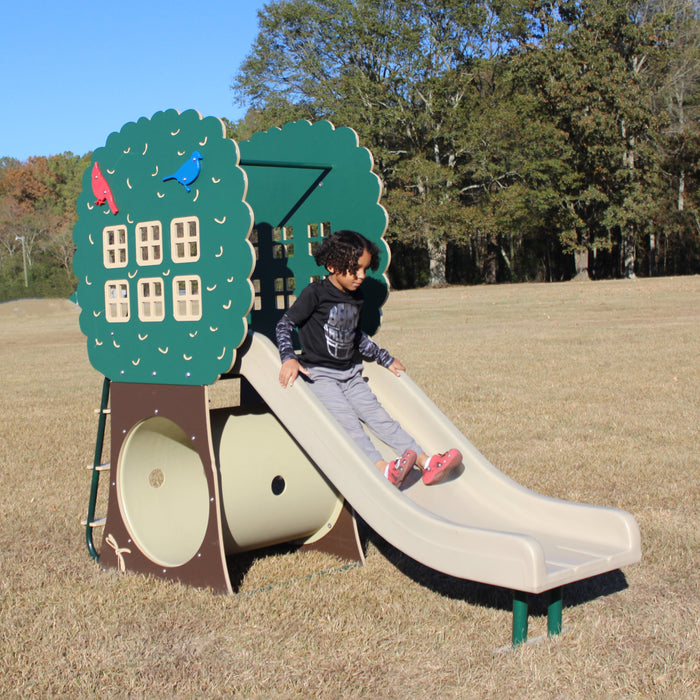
162, 491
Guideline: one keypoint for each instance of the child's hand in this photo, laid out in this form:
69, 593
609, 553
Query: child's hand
396, 366
290, 371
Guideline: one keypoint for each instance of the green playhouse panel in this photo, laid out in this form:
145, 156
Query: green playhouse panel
163, 258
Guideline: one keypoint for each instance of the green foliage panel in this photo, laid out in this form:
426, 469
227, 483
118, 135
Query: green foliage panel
304, 182
163, 258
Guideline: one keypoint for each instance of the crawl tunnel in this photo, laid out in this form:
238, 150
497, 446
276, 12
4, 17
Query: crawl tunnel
270, 491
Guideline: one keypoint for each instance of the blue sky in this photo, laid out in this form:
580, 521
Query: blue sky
75, 71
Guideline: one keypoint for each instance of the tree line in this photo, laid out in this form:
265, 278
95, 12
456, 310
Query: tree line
37, 214
517, 141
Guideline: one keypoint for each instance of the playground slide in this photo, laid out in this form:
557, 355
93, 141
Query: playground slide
478, 524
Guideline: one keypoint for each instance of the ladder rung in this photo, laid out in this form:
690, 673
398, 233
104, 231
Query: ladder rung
97, 522
106, 411
100, 467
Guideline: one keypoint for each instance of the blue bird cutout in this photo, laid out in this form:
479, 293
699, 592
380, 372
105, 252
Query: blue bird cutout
188, 172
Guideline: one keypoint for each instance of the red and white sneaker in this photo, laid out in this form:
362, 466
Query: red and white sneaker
439, 466
397, 470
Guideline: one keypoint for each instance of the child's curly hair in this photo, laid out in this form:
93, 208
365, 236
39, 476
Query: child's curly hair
342, 250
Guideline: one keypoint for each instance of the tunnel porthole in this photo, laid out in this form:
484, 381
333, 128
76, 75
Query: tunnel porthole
156, 478
278, 485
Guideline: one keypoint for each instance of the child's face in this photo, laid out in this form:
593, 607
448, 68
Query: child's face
350, 281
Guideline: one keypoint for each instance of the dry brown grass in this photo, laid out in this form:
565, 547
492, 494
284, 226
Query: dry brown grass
587, 392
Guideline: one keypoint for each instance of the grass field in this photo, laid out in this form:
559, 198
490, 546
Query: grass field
584, 391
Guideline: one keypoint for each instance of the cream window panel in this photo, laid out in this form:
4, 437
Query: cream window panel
149, 243
187, 298
184, 239
117, 305
151, 299
114, 246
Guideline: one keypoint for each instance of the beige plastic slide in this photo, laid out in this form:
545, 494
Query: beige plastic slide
479, 524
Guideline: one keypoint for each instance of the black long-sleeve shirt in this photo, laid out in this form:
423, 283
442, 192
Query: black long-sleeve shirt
328, 320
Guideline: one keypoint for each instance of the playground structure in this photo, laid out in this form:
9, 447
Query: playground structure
189, 249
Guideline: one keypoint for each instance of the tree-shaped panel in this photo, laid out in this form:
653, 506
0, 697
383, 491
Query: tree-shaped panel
163, 258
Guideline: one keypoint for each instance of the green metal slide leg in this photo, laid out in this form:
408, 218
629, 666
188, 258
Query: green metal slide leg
554, 612
520, 611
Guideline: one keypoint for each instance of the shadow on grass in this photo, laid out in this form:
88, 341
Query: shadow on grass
471, 592
239, 566
485, 595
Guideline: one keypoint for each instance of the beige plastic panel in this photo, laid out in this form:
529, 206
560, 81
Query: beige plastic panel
162, 492
479, 525
271, 493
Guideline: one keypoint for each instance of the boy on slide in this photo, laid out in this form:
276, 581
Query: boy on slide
327, 314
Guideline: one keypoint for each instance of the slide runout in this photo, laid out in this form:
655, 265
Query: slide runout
576, 538
481, 525
496, 501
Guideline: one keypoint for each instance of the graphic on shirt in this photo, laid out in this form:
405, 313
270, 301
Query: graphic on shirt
340, 330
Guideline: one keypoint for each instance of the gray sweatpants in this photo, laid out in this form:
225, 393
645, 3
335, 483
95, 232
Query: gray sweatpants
351, 402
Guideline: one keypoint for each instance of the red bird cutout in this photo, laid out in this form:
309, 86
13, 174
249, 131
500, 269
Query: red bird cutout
101, 190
